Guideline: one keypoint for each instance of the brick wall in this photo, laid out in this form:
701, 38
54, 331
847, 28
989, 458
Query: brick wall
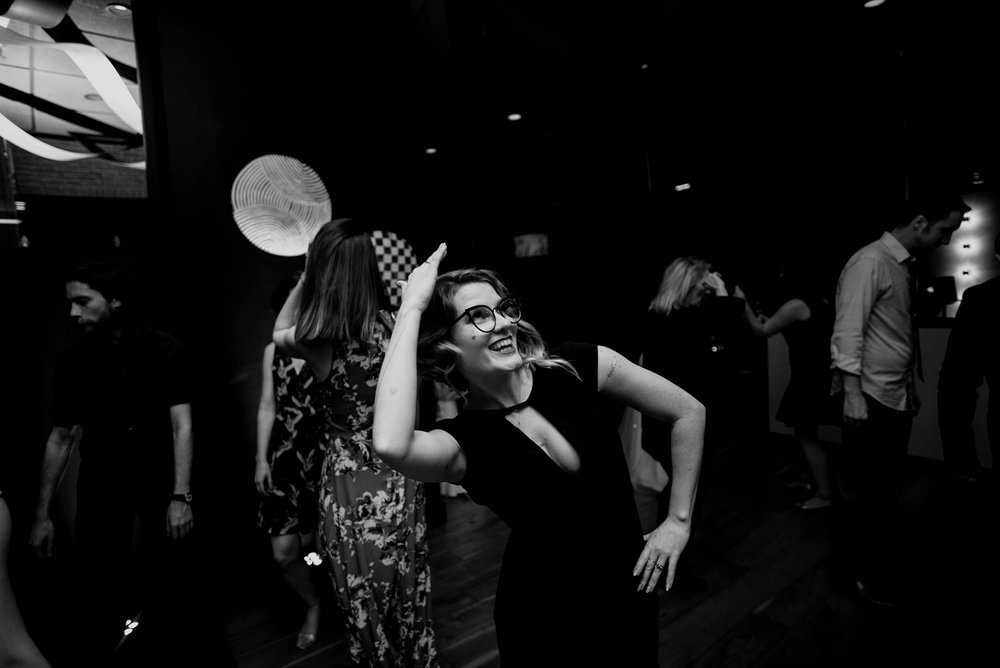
89, 177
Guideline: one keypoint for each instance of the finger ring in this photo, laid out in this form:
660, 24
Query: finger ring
659, 566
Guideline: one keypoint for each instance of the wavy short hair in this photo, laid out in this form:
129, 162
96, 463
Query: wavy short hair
437, 356
681, 280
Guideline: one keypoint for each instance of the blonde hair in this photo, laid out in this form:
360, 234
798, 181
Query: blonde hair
681, 280
437, 356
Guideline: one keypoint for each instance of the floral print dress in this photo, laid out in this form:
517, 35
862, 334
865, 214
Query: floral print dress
374, 534
293, 453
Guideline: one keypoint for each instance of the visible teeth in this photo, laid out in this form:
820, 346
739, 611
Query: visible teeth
501, 345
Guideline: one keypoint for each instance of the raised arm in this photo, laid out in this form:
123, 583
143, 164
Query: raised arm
284, 323
657, 397
428, 456
791, 311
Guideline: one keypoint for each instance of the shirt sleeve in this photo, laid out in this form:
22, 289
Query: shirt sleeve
65, 410
856, 295
178, 387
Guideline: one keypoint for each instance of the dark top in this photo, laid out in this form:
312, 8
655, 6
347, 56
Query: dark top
697, 348
972, 355
807, 402
566, 595
121, 393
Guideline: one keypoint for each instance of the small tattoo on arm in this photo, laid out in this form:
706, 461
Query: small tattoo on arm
614, 363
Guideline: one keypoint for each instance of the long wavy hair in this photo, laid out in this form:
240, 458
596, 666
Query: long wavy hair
437, 356
681, 280
343, 290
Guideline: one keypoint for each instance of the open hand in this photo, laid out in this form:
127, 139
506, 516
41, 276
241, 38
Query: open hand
419, 286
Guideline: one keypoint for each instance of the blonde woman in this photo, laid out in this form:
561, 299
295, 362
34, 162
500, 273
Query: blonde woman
531, 442
690, 336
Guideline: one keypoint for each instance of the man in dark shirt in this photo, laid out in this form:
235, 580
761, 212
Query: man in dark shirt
972, 355
127, 388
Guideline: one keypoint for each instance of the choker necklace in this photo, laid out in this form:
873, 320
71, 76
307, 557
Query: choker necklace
511, 409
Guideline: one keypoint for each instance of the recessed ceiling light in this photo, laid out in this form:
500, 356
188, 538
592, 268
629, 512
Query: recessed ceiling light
119, 9
430, 150
873, 3
93, 97
513, 117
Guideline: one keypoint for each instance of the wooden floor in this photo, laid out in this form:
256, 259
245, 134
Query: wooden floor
760, 585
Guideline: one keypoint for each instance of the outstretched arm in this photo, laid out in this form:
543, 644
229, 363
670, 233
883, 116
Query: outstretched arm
427, 456
657, 397
791, 311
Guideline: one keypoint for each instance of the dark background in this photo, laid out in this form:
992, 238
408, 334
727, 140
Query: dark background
799, 125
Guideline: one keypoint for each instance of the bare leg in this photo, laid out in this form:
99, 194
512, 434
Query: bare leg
287, 551
819, 466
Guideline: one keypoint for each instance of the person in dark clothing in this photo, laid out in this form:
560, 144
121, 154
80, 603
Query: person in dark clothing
972, 356
802, 312
532, 442
691, 336
128, 387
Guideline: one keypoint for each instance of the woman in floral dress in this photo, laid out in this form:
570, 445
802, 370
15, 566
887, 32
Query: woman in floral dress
287, 469
373, 529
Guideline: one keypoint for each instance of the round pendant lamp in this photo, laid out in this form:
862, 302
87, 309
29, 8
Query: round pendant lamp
279, 203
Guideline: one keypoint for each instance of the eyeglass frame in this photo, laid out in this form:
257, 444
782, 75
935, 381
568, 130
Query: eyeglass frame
494, 310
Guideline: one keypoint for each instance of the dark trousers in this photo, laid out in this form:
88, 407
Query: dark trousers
869, 527
128, 568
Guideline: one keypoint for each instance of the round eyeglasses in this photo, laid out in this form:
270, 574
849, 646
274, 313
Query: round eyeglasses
484, 318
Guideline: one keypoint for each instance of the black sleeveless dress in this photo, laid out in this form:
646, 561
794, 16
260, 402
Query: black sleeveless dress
807, 402
566, 595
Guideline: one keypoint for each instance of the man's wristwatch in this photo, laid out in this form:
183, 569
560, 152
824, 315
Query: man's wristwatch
186, 497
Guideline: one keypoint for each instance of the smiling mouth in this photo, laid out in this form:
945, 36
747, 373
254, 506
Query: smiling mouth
504, 345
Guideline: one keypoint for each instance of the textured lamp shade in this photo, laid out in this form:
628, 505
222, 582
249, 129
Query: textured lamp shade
279, 203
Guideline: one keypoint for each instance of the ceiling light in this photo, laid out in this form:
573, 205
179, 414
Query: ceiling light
873, 3
513, 117
430, 150
682, 186
119, 9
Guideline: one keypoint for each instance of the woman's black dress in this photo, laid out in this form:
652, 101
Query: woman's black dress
566, 595
806, 402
